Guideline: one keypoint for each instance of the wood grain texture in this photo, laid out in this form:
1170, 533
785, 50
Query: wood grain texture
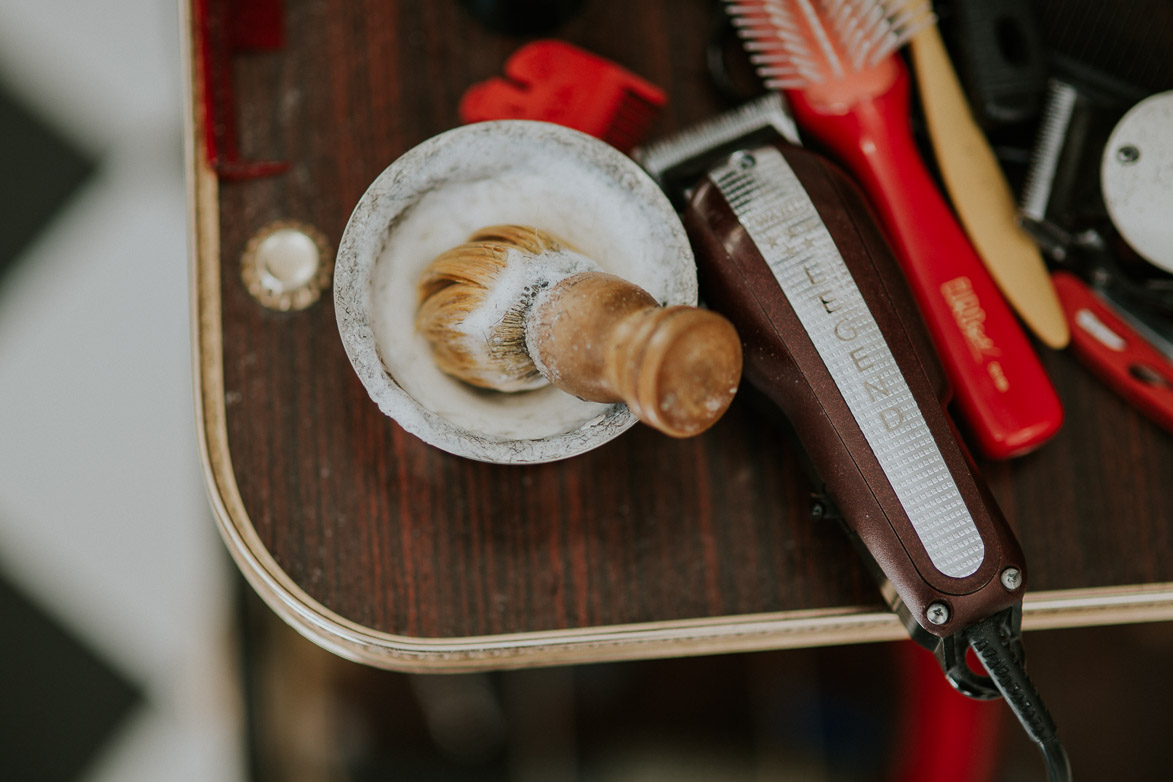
398, 538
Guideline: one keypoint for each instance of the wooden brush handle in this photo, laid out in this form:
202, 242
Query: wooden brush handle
605, 339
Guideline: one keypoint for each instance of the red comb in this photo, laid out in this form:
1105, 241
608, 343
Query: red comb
553, 81
224, 29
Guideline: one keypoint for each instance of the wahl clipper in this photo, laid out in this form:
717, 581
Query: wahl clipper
788, 249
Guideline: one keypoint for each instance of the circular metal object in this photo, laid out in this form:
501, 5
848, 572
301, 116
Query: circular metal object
937, 613
1011, 578
286, 265
1136, 174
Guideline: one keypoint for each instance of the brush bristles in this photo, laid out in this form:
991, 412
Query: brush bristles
796, 43
473, 306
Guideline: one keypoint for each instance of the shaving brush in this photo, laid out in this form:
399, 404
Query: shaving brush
514, 308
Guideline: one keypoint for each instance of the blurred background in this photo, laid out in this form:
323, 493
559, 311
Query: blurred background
133, 653
115, 593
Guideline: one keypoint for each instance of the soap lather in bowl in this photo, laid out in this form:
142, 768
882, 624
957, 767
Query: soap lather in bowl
432, 199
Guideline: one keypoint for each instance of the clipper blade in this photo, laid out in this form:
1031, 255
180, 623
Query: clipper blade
679, 161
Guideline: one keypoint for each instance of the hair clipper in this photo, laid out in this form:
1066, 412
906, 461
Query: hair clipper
787, 248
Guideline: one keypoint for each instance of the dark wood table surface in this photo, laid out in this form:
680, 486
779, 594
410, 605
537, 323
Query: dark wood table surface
391, 552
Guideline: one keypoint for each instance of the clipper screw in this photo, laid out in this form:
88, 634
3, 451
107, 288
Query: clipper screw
743, 160
1011, 578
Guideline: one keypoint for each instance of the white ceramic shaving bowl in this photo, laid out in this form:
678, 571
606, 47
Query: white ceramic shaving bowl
431, 199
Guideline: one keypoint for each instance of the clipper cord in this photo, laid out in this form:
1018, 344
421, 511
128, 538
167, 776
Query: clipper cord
992, 644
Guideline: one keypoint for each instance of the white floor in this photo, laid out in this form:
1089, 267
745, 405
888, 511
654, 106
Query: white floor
103, 516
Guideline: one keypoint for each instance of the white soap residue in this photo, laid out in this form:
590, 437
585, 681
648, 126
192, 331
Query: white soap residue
433, 199
484, 331
444, 218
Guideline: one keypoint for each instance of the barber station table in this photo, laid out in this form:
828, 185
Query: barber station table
390, 552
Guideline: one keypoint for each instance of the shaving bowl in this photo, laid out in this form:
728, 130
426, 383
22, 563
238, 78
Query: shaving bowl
431, 199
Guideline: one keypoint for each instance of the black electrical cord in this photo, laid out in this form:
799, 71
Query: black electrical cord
993, 645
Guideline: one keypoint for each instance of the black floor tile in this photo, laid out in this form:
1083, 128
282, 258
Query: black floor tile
60, 701
39, 170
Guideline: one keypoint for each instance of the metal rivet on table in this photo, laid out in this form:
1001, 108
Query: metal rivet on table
286, 265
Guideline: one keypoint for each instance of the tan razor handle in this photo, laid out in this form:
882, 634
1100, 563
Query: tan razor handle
981, 196
605, 339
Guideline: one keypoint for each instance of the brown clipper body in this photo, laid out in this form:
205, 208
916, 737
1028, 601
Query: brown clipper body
742, 276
